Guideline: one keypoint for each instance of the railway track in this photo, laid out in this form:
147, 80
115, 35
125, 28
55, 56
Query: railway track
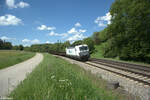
138, 73
134, 78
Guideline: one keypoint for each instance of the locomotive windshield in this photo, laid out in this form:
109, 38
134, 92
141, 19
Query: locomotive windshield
83, 48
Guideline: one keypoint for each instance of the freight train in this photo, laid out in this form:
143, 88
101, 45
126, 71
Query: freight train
79, 52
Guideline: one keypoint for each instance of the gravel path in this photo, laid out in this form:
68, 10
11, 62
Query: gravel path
10, 77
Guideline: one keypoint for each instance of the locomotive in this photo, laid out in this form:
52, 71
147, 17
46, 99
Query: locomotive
80, 52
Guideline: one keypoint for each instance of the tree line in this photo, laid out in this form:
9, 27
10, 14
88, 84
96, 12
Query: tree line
5, 45
60, 47
56, 47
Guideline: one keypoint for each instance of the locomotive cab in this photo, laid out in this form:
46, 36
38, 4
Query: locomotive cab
80, 52
83, 52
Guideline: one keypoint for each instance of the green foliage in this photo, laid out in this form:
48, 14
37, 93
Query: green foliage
18, 47
78, 42
90, 43
66, 44
5, 45
15, 47
104, 35
100, 37
59, 47
39, 48
21, 47
128, 35
57, 79
96, 38
98, 52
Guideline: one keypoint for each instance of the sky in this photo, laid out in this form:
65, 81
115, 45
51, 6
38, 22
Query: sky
30, 22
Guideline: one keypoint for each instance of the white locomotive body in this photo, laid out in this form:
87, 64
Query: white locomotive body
80, 52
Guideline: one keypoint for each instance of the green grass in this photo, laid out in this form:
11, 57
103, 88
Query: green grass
12, 57
99, 54
57, 79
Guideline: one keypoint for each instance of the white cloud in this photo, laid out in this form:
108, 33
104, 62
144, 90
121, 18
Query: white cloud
72, 31
6, 38
47, 42
82, 31
103, 20
22, 4
78, 34
76, 37
11, 4
71, 35
44, 27
52, 33
35, 41
9, 20
101, 24
26, 40
77, 24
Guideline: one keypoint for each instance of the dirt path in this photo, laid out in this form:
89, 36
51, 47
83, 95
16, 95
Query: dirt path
11, 76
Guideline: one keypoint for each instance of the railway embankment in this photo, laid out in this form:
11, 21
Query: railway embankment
134, 87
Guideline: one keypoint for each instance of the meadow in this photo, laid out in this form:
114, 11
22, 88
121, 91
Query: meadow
57, 79
12, 57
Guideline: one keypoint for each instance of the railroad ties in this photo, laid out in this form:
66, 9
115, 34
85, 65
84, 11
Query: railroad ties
134, 72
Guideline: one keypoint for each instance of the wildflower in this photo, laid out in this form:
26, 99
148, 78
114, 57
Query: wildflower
52, 76
62, 80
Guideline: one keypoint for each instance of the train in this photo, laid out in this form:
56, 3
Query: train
79, 52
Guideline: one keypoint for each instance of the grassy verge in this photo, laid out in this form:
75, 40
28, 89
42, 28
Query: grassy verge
99, 54
11, 57
57, 79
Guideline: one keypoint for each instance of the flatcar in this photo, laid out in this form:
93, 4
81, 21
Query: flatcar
80, 52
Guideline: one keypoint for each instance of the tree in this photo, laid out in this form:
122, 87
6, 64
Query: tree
1, 44
15, 47
21, 47
78, 42
66, 44
90, 43
96, 38
5, 45
130, 29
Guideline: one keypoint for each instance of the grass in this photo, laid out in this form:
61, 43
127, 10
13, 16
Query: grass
57, 79
99, 54
12, 57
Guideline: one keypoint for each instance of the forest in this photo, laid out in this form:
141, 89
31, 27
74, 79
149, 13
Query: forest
128, 35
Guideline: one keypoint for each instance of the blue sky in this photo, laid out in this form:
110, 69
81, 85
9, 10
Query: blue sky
39, 21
